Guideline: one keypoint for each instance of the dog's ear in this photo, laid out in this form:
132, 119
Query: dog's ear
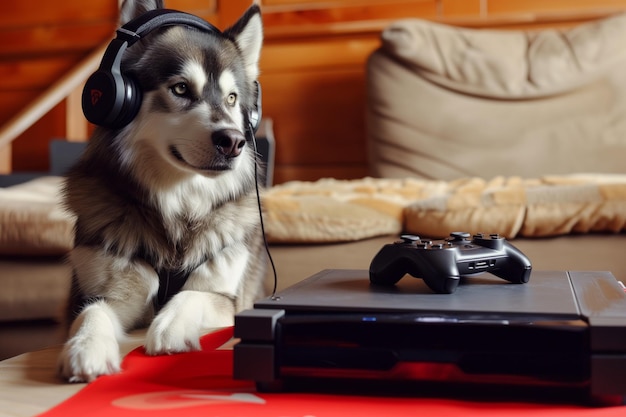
134, 8
247, 33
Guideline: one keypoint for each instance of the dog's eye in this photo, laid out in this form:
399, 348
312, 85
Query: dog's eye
180, 89
231, 99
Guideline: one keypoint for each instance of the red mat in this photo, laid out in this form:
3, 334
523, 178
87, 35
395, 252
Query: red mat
201, 384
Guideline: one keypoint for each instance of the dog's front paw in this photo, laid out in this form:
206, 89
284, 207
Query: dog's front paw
92, 349
173, 331
179, 325
85, 358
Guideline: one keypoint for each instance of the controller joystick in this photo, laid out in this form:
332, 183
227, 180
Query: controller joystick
441, 264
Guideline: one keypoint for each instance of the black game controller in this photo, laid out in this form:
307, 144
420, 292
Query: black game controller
441, 264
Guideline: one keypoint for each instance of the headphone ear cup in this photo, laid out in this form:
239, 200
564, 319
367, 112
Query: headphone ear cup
99, 97
130, 104
111, 100
255, 114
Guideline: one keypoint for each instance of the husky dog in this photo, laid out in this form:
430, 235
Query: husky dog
168, 231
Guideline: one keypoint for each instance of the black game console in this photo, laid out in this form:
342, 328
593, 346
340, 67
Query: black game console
564, 330
442, 263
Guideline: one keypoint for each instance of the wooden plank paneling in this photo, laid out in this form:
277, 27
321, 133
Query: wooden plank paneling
20, 82
76, 126
10, 100
323, 122
542, 6
5, 159
50, 40
347, 13
315, 91
459, 8
23, 13
332, 52
332, 4
197, 7
34, 73
30, 150
323, 19
206, 9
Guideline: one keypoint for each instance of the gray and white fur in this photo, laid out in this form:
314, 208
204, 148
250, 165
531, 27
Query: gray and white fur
172, 192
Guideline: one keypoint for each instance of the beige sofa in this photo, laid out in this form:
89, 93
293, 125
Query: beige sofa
522, 133
518, 133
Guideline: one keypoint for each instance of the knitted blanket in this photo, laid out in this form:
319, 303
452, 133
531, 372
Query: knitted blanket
32, 221
334, 210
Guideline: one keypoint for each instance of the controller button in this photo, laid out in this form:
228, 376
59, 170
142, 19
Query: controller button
410, 238
494, 236
437, 246
459, 236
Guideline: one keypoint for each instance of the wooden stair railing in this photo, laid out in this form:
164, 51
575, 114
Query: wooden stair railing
68, 88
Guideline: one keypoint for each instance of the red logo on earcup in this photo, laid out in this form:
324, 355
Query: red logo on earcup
95, 96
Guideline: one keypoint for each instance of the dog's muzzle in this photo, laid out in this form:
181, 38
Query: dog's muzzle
229, 142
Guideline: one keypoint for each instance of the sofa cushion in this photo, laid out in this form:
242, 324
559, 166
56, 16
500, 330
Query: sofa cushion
32, 219
446, 102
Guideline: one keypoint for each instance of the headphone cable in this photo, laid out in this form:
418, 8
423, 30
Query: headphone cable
258, 200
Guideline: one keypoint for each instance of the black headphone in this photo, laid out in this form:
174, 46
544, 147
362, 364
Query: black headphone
112, 99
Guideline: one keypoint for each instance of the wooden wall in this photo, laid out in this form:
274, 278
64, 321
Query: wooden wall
41, 40
313, 63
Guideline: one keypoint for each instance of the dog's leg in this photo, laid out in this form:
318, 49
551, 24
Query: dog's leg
208, 300
179, 325
92, 349
123, 290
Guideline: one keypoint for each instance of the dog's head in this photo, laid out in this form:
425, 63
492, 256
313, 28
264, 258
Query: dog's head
198, 89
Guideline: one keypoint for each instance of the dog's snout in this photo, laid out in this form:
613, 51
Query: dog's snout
229, 142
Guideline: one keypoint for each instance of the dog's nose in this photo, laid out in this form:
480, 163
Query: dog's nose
229, 142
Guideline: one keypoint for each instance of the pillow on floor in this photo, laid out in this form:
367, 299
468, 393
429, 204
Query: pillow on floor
332, 210
549, 206
343, 210
33, 222
471, 205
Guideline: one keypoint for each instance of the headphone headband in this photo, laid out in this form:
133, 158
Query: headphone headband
139, 27
112, 99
